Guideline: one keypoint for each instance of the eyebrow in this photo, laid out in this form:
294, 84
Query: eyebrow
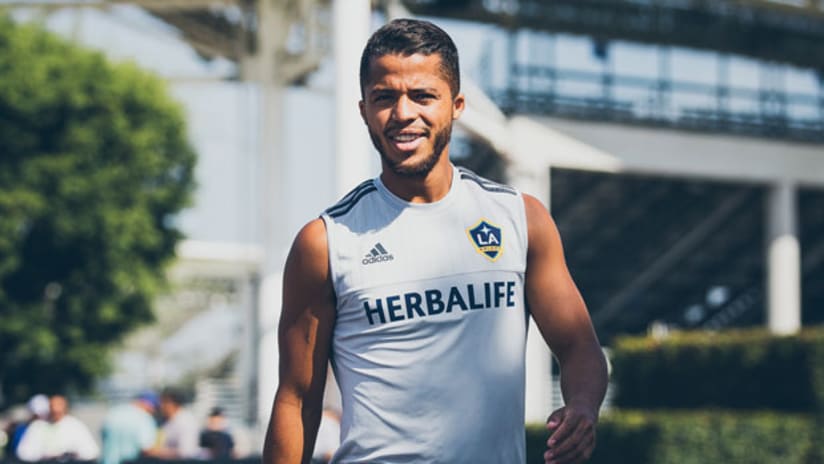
426, 89
381, 89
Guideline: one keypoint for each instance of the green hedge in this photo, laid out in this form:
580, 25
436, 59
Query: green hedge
728, 437
749, 370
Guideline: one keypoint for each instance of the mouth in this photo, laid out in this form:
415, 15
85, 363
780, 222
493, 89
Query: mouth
406, 141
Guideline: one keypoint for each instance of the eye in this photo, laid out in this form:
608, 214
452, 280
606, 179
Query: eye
382, 98
425, 97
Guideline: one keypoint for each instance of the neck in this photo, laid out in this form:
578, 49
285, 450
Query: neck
427, 189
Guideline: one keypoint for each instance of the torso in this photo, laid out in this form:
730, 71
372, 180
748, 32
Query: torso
428, 345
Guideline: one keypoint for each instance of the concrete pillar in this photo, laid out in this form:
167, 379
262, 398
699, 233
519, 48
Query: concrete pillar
783, 260
274, 204
353, 157
534, 180
249, 354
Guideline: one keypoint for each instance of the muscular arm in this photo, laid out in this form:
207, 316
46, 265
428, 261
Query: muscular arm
562, 317
304, 338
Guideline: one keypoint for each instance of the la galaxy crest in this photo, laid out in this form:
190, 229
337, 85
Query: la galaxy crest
487, 239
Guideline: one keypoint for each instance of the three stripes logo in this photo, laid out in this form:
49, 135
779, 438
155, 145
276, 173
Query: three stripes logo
377, 254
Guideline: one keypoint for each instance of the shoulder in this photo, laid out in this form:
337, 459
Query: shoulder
541, 229
36, 427
145, 418
188, 417
182, 421
311, 243
535, 210
351, 199
483, 183
72, 423
307, 266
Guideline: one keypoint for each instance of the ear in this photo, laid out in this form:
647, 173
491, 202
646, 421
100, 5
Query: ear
362, 108
458, 105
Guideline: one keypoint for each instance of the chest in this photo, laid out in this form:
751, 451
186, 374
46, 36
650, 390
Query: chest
416, 247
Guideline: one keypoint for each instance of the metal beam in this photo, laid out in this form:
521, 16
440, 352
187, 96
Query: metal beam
669, 259
152, 4
760, 29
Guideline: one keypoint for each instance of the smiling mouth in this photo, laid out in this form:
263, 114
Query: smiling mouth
407, 141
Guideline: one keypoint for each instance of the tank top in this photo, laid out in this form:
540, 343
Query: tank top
429, 340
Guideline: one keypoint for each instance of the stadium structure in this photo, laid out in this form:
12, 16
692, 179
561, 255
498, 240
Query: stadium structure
688, 199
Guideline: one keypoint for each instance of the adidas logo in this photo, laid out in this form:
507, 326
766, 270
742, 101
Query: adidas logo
376, 255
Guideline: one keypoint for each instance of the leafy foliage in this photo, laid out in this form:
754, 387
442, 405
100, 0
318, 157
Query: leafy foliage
94, 163
698, 437
747, 369
701, 397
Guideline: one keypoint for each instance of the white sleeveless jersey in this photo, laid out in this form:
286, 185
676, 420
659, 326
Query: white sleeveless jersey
429, 341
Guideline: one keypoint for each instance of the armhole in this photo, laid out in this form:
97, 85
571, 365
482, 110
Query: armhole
329, 223
524, 229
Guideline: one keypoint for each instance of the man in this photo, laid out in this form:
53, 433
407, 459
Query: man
129, 430
180, 431
63, 437
418, 286
38, 408
215, 439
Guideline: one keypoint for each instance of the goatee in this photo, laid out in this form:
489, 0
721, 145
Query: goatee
420, 169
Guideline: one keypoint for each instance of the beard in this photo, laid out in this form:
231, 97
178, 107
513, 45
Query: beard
422, 168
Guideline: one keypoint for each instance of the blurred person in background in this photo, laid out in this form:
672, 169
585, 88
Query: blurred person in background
180, 431
419, 285
215, 439
62, 436
130, 429
38, 408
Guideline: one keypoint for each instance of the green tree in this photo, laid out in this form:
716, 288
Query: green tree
94, 164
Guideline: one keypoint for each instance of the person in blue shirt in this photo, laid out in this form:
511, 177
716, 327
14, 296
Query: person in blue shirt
130, 429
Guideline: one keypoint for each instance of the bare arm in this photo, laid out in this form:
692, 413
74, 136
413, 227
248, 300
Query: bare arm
304, 339
562, 317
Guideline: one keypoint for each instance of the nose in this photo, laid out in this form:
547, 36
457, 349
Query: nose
404, 109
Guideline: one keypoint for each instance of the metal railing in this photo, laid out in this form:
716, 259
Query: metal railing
687, 105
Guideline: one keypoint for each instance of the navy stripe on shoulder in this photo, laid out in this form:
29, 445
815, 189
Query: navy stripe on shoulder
349, 196
344, 208
486, 184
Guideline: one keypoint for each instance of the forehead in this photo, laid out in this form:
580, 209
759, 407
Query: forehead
414, 71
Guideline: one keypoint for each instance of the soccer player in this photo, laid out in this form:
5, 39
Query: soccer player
418, 286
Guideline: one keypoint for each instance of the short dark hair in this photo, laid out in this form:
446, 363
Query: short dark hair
174, 395
407, 37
